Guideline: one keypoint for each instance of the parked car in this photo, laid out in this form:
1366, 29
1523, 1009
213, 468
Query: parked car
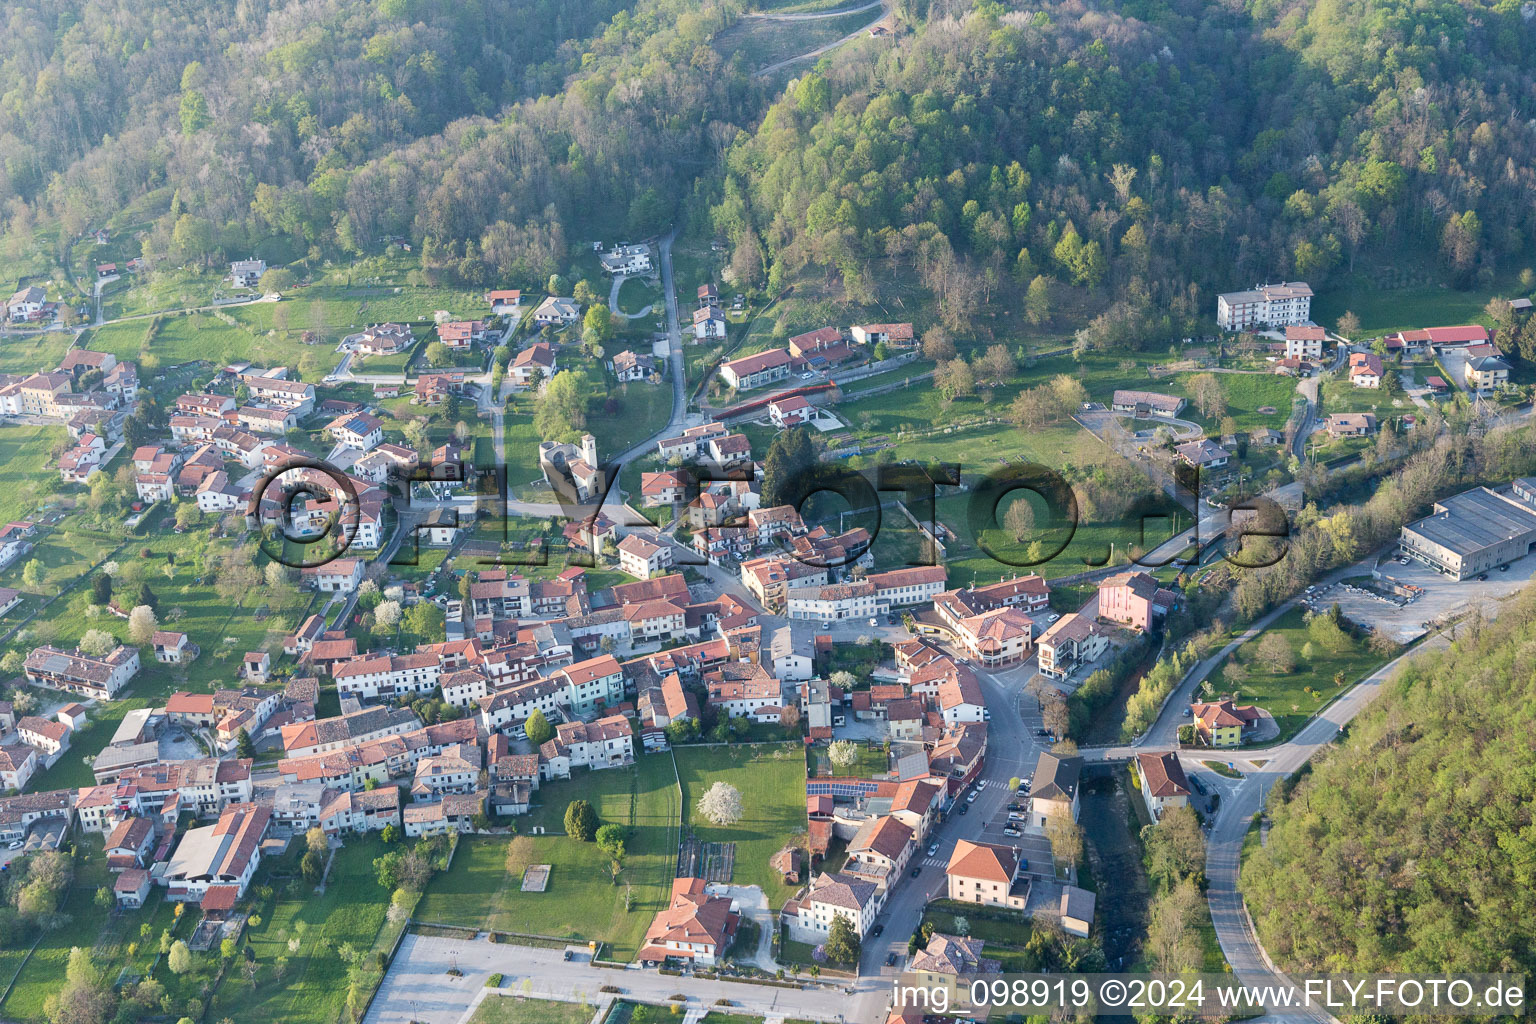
1189, 712
972, 795
964, 808
890, 959
916, 872
877, 929
1011, 831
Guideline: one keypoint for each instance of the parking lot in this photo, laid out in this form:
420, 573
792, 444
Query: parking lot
1441, 600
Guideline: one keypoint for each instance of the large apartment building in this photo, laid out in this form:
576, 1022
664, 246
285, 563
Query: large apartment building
1265, 305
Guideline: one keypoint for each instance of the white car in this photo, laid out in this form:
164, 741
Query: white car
970, 797
1011, 831
933, 849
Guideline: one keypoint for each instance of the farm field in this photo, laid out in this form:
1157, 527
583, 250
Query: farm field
582, 903
771, 778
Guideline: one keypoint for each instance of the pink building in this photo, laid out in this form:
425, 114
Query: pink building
1133, 599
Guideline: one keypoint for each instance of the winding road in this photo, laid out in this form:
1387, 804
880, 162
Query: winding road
779, 65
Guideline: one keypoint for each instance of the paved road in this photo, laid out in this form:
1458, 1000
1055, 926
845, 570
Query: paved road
418, 986
1011, 752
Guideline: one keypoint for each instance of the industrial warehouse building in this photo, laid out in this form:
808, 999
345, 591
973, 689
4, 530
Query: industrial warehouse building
1475, 531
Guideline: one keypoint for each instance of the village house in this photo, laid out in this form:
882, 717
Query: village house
790, 412
1163, 783
340, 575
986, 874
1203, 454
1146, 404
556, 311
1070, 643
628, 366
829, 897
755, 371
1134, 599
689, 444
604, 743
1055, 789
80, 673
461, 334
1365, 370
1222, 723
1304, 341
1351, 424
225, 853
359, 431
535, 361
695, 927
643, 558
893, 335
246, 273
708, 323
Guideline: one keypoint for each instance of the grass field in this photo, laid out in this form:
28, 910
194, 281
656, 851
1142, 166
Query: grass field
31, 353
771, 778
1342, 396
170, 339
1246, 394
636, 293
1383, 311
1284, 694
582, 902
499, 1009
1092, 544
639, 410
24, 451
41, 976
314, 988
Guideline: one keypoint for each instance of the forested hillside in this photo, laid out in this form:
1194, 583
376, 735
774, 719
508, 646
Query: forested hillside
485, 124
1158, 148
1412, 846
